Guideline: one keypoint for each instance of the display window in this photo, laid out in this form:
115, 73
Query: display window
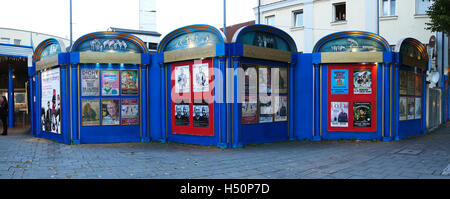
411, 85
192, 98
352, 97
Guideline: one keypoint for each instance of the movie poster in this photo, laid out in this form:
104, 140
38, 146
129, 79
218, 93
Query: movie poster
110, 82
201, 115
411, 82
90, 112
182, 114
280, 85
362, 81
110, 112
130, 111
403, 82
182, 79
339, 81
362, 114
281, 108
418, 108
90, 82
266, 109
264, 80
129, 82
200, 73
339, 114
51, 101
419, 84
249, 110
402, 108
249, 79
411, 107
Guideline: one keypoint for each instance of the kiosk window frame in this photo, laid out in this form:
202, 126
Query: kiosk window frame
411, 90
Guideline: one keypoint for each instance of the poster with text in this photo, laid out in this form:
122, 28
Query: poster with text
130, 111
182, 114
281, 108
90, 112
339, 81
129, 82
51, 101
200, 73
362, 114
403, 82
264, 80
110, 82
201, 115
110, 111
411, 107
362, 81
339, 114
182, 79
403, 104
418, 108
249, 110
249, 80
90, 82
266, 109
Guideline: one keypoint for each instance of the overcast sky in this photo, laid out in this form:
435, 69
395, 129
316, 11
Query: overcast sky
52, 16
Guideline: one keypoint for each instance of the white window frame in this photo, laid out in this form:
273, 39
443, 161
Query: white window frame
416, 6
334, 11
266, 19
389, 14
294, 16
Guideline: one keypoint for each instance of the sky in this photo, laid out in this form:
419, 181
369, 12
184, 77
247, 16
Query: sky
52, 16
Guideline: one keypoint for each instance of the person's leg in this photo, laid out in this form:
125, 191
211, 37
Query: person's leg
5, 125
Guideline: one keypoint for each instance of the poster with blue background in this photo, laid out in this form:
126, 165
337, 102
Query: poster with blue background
339, 81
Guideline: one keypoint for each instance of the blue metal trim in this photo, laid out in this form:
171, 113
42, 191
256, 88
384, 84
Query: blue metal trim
334, 36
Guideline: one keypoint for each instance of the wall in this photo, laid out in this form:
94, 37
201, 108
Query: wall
25, 37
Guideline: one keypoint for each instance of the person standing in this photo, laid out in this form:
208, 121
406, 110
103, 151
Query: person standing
4, 114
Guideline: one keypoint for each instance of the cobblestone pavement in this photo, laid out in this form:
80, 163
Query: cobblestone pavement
427, 156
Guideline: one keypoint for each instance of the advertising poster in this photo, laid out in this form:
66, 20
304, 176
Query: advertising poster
418, 108
110, 82
362, 81
339, 81
249, 110
182, 79
201, 115
266, 109
264, 80
411, 83
411, 107
403, 82
200, 73
248, 79
90, 82
361, 114
339, 114
90, 112
110, 111
51, 101
418, 86
281, 108
129, 82
130, 111
182, 114
280, 85
402, 108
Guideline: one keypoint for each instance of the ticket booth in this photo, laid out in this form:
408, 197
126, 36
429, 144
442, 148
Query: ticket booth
49, 91
187, 87
353, 79
410, 82
107, 89
262, 60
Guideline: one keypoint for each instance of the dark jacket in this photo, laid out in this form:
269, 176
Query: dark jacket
4, 109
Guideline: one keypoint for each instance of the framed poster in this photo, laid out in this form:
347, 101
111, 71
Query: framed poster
201, 115
281, 108
280, 79
200, 73
110, 83
411, 82
130, 112
51, 101
339, 81
418, 86
362, 114
264, 81
129, 82
339, 114
182, 79
418, 108
265, 109
249, 79
362, 81
90, 82
402, 108
110, 112
249, 110
90, 112
411, 107
403, 82
182, 114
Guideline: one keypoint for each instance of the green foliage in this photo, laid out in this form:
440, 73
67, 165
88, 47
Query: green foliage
439, 13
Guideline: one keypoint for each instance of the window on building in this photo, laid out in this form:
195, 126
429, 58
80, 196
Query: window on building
339, 12
422, 6
298, 18
270, 20
4, 40
152, 46
388, 7
17, 41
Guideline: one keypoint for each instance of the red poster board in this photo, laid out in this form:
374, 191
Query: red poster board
359, 104
192, 98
